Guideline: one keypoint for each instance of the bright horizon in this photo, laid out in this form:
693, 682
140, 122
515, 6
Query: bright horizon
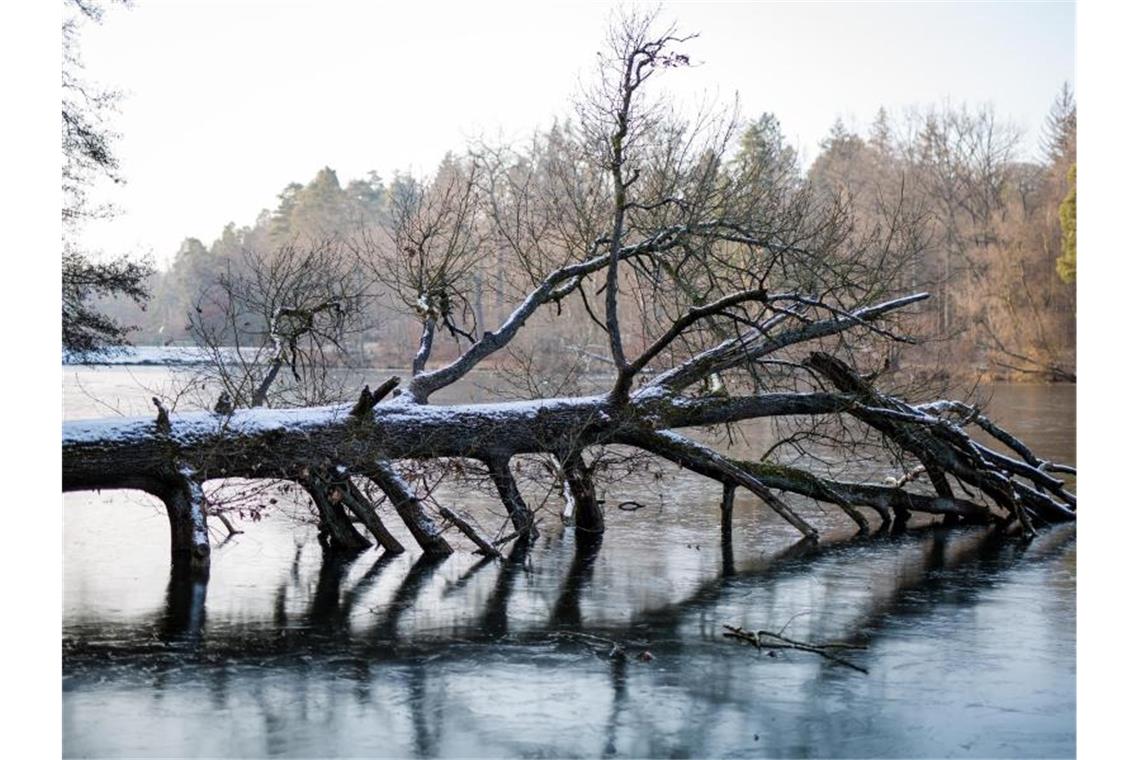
225, 103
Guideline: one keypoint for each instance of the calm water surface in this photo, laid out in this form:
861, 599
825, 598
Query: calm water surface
287, 651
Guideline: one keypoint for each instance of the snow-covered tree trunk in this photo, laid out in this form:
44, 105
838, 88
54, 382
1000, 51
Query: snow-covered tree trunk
169, 457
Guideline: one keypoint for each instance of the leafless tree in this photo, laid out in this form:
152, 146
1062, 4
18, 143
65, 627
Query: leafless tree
292, 309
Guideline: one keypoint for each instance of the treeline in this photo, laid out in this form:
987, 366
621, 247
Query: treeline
1001, 249
990, 234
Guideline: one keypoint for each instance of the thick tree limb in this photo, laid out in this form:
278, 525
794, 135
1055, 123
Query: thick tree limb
727, 500
181, 494
521, 516
370, 398
589, 519
262, 443
361, 506
882, 499
705, 461
960, 457
470, 529
342, 534
973, 415
423, 528
627, 372
553, 287
737, 351
427, 337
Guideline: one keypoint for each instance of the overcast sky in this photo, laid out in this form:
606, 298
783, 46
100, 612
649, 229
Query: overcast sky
228, 101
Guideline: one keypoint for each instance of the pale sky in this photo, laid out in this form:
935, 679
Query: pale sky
228, 101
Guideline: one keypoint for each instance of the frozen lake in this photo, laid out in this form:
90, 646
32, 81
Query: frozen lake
287, 651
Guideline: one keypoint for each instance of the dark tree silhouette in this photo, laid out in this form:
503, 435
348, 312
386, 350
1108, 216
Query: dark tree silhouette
89, 157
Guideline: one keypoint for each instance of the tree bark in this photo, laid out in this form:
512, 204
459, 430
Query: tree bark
334, 522
727, 500
471, 530
589, 519
426, 531
522, 519
185, 504
361, 506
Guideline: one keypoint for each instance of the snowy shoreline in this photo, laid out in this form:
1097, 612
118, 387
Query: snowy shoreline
169, 356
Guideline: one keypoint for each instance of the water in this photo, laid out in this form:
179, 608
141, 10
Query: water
970, 642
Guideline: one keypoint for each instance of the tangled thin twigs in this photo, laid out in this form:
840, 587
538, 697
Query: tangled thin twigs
608, 647
768, 640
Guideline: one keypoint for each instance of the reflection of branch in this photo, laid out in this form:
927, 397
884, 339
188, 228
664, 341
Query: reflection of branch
567, 612
408, 592
226, 522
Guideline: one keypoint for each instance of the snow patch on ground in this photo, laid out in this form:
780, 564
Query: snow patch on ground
165, 356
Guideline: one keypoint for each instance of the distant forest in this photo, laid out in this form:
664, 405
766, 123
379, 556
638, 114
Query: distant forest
996, 245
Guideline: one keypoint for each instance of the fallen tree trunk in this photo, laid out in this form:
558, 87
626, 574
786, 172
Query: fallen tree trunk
170, 456
265, 443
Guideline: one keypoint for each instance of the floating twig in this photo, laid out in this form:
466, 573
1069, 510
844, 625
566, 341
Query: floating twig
609, 647
768, 640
